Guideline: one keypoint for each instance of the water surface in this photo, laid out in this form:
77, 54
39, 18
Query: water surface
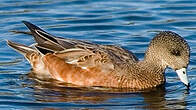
127, 23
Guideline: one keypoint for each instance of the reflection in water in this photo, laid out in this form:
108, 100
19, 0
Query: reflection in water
158, 99
49, 90
155, 99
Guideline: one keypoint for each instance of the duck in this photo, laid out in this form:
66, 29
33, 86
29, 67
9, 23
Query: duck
87, 64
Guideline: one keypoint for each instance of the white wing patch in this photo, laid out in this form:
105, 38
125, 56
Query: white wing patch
75, 62
85, 68
72, 62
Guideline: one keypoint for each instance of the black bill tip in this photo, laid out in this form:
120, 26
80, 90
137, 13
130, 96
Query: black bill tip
188, 86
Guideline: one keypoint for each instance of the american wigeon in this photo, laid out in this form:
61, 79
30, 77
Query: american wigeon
88, 64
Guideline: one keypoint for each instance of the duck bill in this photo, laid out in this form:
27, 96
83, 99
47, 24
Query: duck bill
182, 74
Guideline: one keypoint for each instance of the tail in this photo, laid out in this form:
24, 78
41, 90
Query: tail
22, 49
43, 39
33, 56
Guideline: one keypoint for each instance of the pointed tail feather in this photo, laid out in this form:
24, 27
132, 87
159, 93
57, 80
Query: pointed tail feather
42, 37
32, 28
22, 49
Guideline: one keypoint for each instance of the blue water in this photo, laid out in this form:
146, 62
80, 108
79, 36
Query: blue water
127, 23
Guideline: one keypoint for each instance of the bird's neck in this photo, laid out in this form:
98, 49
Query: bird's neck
153, 57
146, 74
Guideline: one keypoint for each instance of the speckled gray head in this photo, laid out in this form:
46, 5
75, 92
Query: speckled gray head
170, 50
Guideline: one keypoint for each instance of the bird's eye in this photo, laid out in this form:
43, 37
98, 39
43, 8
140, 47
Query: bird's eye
176, 52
